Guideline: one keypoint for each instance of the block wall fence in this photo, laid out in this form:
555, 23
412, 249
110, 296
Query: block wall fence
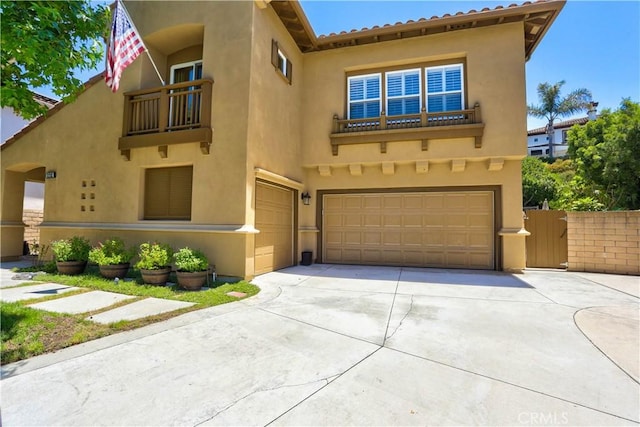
604, 242
32, 219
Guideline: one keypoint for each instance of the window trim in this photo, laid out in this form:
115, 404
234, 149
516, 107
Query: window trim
193, 64
460, 60
364, 77
281, 62
444, 91
388, 97
146, 215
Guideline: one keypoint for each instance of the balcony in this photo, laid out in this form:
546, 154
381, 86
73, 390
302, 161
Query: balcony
174, 114
410, 127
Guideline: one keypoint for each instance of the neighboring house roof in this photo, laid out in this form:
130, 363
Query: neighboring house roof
13, 122
537, 17
57, 106
559, 125
45, 100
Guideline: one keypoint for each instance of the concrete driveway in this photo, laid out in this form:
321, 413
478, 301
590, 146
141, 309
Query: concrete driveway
352, 345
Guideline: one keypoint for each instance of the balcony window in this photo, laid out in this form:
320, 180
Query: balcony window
364, 96
186, 72
403, 92
184, 109
445, 88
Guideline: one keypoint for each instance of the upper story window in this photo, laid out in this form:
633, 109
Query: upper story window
406, 91
186, 72
445, 88
281, 61
364, 96
564, 136
403, 92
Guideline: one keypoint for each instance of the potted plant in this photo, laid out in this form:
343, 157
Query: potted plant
154, 262
71, 255
112, 257
191, 268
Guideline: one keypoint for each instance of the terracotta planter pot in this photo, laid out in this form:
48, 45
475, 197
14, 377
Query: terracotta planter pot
191, 281
112, 271
71, 268
156, 277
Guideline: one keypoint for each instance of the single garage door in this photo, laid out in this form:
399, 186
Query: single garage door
274, 219
430, 229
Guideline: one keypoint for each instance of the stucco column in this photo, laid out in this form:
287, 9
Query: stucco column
11, 225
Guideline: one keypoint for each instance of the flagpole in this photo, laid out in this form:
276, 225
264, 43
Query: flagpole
145, 46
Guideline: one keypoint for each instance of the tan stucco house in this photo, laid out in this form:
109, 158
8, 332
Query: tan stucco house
408, 138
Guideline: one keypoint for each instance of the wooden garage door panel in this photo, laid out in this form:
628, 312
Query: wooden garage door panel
274, 220
451, 230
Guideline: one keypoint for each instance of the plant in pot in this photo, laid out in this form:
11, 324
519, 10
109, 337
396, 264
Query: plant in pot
191, 268
154, 263
71, 255
112, 257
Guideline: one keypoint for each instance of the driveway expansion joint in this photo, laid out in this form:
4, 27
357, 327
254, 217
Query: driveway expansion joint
513, 385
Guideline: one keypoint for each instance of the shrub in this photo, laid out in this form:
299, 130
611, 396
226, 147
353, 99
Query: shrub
190, 260
154, 256
73, 249
112, 251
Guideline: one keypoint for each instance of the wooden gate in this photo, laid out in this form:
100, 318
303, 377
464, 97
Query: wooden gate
547, 244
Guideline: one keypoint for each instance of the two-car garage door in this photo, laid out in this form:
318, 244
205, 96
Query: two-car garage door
426, 229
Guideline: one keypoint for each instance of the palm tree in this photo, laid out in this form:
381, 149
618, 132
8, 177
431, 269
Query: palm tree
553, 106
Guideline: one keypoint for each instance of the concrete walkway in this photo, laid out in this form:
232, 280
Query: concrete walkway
80, 303
350, 345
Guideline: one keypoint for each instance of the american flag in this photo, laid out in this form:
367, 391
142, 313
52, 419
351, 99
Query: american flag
124, 47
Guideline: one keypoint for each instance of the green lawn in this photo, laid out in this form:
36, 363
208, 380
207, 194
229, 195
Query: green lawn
27, 332
206, 298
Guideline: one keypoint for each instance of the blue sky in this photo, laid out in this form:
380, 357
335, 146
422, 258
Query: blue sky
592, 44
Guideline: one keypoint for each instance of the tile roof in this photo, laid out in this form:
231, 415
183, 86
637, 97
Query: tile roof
44, 100
559, 125
537, 17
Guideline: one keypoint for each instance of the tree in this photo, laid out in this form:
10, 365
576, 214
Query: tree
553, 106
605, 152
538, 182
42, 42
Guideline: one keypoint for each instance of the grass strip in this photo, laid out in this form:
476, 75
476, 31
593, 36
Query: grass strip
28, 332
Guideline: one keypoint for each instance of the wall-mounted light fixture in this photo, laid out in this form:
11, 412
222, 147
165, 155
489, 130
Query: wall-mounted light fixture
306, 198
50, 174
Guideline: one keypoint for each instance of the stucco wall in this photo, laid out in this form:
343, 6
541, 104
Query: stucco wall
495, 79
259, 120
604, 242
80, 143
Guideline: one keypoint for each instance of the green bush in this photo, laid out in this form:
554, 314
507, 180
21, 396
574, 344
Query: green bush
73, 249
190, 260
154, 256
112, 251
586, 204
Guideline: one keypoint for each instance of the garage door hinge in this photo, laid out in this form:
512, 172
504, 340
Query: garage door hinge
564, 218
